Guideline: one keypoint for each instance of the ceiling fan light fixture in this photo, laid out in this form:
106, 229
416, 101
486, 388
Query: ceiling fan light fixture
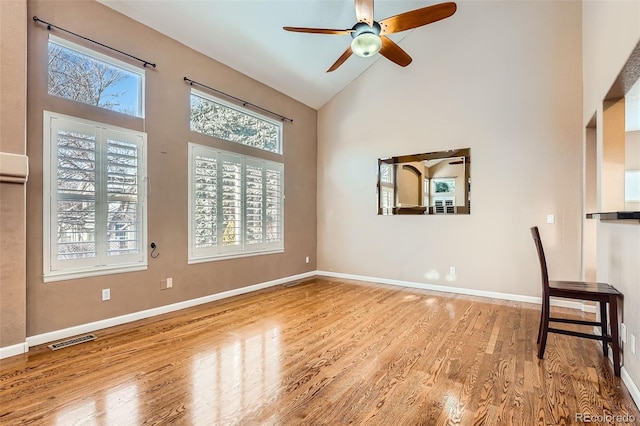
366, 44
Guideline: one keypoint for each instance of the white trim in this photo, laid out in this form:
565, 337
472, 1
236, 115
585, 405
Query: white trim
459, 290
67, 274
13, 350
204, 259
631, 386
123, 319
626, 378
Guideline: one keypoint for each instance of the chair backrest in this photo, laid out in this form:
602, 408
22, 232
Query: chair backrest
543, 262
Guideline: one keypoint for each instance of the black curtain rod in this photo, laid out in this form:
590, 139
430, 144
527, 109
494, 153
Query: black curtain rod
50, 25
243, 102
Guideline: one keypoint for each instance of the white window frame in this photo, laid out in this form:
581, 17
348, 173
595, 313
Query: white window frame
111, 61
447, 204
58, 270
220, 251
242, 110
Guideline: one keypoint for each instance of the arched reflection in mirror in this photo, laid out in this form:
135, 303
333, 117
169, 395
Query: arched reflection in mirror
428, 183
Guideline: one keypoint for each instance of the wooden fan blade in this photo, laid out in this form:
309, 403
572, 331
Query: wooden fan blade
341, 59
394, 53
417, 18
364, 11
317, 30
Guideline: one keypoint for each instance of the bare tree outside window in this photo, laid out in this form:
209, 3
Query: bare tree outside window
218, 120
82, 78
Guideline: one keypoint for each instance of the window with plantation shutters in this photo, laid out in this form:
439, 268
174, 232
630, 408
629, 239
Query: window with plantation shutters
444, 205
94, 198
236, 205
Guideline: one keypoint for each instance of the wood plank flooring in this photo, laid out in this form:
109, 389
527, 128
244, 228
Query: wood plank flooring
323, 352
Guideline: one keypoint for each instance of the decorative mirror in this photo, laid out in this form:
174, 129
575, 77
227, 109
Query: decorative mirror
429, 183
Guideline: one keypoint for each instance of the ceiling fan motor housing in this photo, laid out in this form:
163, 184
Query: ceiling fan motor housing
362, 28
366, 39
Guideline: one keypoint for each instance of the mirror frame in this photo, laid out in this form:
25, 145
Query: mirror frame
404, 161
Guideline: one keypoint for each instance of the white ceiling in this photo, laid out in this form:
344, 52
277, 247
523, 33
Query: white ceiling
247, 36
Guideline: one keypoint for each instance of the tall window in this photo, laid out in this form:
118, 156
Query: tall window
86, 76
214, 117
94, 198
235, 205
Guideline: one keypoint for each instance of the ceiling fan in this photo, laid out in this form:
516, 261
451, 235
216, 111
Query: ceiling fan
370, 36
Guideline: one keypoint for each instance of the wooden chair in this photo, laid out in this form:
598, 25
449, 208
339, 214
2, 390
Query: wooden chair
579, 290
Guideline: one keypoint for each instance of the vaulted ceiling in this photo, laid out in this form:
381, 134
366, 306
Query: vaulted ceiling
247, 36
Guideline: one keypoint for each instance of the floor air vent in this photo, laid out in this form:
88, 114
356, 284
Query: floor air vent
71, 342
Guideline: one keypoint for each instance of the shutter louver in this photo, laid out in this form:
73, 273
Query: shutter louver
122, 198
76, 195
274, 212
254, 204
206, 204
231, 201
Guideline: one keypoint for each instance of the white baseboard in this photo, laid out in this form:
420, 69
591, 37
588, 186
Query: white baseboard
110, 322
631, 386
459, 290
14, 350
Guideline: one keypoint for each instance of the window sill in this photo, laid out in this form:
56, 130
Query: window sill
94, 272
204, 259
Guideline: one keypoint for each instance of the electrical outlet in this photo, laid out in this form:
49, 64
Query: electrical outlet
452, 270
306, 259
169, 282
623, 332
106, 294
551, 218
633, 344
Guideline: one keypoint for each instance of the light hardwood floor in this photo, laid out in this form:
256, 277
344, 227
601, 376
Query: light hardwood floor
321, 352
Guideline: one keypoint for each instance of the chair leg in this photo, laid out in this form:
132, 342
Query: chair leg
540, 325
604, 328
615, 342
544, 327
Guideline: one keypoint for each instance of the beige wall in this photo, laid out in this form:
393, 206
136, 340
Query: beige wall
58, 305
632, 162
611, 30
501, 78
409, 182
13, 39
